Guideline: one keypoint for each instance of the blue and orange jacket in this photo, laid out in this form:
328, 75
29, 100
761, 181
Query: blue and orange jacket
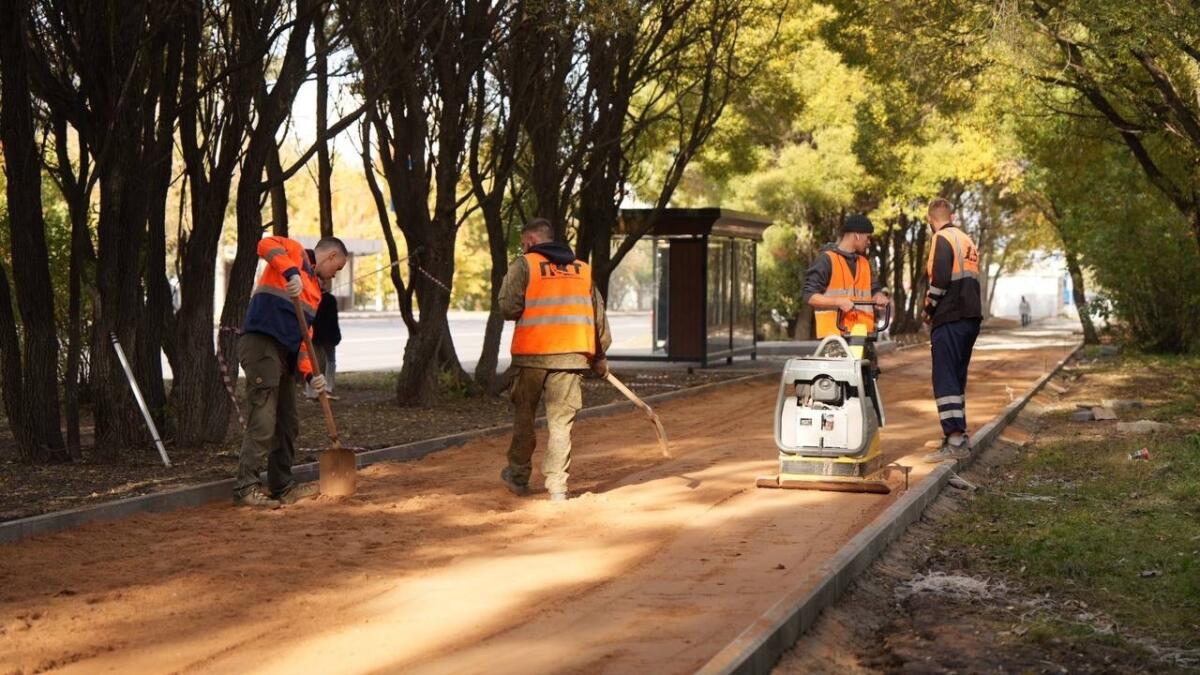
271, 311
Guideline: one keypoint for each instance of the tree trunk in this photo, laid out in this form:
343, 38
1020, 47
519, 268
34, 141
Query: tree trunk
919, 281
1080, 295
15, 410
199, 398
385, 224
272, 110
158, 317
121, 231
421, 110
38, 377
77, 191
280, 226
493, 216
198, 395
74, 332
899, 267
448, 361
489, 356
324, 165
417, 385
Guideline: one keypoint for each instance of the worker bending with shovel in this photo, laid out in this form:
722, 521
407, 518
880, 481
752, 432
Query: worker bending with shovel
561, 332
271, 351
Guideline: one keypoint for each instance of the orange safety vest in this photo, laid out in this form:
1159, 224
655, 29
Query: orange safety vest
558, 317
282, 254
842, 284
966, 256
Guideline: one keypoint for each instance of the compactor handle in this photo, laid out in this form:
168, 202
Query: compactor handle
880, 325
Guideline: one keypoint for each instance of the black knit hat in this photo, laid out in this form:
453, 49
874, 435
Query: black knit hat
857, 222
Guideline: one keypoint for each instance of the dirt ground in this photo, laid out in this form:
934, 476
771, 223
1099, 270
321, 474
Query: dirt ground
914, 613
939, 602
367, 418
434, 567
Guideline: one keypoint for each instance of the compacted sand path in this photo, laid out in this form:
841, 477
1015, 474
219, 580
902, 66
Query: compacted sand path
434, 567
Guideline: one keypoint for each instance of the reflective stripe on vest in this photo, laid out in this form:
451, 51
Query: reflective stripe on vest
966, 257
842, 284
558, 317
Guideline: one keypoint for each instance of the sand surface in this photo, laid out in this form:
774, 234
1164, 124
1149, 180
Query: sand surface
434, 567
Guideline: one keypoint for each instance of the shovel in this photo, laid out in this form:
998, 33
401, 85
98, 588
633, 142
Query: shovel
338, 470
658, 426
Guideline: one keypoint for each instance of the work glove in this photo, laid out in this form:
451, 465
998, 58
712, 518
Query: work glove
600, 366
294, 286
317, 382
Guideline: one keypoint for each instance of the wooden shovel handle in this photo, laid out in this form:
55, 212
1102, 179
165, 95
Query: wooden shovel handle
330, 426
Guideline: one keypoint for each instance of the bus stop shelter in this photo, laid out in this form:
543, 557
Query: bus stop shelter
704, 278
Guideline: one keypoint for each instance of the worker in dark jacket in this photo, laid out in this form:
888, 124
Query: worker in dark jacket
841, 275
326, 334
954, 310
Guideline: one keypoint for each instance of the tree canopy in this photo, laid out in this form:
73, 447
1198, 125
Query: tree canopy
144, 142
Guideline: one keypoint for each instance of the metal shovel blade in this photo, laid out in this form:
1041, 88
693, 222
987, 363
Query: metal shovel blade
339, 475
338, 467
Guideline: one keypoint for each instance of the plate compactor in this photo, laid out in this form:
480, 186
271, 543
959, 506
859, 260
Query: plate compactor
828, 415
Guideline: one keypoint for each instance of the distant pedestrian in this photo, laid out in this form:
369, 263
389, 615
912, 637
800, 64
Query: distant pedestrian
1026, 319
953, 307
326, 334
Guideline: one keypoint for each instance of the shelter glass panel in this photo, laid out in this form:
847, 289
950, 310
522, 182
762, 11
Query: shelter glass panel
743, 294
720, 294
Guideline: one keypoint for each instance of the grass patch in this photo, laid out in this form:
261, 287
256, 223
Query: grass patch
1075, 518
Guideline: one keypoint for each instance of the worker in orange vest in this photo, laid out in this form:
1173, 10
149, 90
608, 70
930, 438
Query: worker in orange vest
271, 351
954, 310
561, 332
840, 276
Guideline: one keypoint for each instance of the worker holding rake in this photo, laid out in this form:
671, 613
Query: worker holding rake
271, 351
561, 332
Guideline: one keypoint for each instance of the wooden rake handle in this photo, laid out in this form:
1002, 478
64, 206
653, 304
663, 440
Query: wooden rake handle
658, 426
330, 426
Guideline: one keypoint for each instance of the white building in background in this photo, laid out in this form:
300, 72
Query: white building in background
1044, 282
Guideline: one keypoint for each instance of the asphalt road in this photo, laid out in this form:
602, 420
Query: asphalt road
377, 343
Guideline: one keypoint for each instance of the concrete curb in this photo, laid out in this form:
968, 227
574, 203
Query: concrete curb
205, 493
758, 648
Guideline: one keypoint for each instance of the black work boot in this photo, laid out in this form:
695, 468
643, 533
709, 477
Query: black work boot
257, 498
297, 491
512, 485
